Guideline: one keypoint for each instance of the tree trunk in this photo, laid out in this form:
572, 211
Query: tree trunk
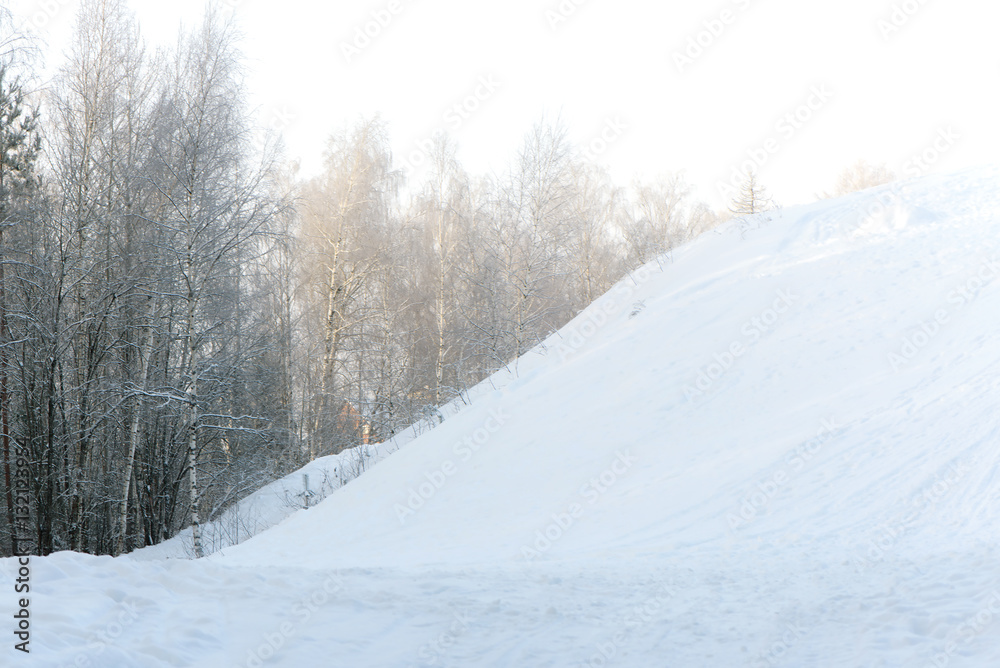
192, 399
133, 442
4, 400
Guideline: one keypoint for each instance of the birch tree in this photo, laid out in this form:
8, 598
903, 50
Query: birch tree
344, 216
213, 216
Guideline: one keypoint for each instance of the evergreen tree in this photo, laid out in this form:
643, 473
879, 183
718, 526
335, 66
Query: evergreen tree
752, 198
20, 145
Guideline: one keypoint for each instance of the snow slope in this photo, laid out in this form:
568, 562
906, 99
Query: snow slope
272, 503
860, 436
777, 447
306, 486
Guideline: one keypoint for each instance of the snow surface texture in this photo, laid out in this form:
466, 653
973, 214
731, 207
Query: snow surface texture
776, 448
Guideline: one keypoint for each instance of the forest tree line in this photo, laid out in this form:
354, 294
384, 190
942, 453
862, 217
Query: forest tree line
183, 318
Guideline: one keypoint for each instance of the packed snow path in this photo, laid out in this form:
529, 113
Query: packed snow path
777, 447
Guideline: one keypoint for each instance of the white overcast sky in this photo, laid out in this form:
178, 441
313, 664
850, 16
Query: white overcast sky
613, 62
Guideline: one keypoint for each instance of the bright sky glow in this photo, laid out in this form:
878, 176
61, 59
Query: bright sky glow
885, 79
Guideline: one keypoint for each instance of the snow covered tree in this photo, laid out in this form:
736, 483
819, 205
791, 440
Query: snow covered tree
346, 234
657, 216
20, 145
752, 198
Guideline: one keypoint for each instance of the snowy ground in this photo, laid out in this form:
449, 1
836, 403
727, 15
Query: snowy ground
674, 611
777, 448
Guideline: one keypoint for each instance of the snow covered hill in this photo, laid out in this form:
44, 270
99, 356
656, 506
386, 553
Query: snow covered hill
805, 385
777, 447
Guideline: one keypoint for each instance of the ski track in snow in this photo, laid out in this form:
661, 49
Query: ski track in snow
637, 494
